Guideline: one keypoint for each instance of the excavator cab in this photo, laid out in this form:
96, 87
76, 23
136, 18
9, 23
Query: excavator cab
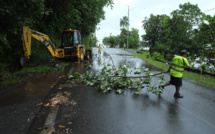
72, 44
71, 39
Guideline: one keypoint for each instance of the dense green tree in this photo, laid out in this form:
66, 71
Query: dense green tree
175, 35
14, 15
119, 40
123, 37
205, 38
193, 17
134, 38
83, 15
154, 28
191, 13
111, 41
206, 31
170, 34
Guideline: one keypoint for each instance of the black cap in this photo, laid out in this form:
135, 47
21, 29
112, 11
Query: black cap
184, 52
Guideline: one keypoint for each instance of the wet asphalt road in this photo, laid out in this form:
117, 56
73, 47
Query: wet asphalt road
20, 103
127, 113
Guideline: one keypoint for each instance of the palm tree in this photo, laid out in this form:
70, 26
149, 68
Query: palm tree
124, 22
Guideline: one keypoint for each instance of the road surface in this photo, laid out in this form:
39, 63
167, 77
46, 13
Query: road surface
95, 112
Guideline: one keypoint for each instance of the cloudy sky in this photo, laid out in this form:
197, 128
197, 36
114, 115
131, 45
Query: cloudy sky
139, 9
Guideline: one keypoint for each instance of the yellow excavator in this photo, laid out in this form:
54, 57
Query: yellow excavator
71, 45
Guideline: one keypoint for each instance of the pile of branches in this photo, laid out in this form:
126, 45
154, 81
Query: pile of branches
118, 78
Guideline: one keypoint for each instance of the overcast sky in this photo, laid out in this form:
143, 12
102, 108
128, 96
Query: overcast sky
138, 10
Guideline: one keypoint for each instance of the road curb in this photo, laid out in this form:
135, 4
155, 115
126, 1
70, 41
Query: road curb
49, 114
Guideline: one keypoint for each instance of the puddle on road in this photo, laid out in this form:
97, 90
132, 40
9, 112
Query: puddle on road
30, 89
117, 59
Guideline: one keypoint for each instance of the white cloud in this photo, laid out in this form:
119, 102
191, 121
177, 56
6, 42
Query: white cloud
137, 24
123, 2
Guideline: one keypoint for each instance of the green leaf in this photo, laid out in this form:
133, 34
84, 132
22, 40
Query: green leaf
137, 72
119, 91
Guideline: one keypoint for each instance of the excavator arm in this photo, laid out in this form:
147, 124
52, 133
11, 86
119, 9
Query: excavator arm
44, 39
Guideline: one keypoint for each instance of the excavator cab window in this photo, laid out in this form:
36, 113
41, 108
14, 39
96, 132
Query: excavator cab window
67, 39
70, 39
76, 38
79, 38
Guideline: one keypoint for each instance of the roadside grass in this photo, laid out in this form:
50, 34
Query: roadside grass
203, 79
157, 64
41, 68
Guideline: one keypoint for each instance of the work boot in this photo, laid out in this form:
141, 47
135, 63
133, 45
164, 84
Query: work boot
178, 95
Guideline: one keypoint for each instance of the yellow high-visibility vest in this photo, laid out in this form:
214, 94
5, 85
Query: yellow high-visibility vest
178, 64
100, 48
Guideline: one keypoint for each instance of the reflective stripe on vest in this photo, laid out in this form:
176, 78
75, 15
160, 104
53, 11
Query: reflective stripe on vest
178, 68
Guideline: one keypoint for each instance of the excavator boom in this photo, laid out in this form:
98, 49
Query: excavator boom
44, 39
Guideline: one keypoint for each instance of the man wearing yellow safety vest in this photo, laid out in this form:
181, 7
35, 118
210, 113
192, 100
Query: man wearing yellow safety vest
99, 49
176, 71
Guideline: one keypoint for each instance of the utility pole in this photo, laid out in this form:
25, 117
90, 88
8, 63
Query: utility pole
128, 28
95, 38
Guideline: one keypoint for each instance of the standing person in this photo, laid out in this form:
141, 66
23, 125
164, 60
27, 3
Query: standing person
99, 49
124, 46
176, 71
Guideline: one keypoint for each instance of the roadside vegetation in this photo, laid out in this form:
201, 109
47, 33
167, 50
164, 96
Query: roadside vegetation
199, 78
33, 71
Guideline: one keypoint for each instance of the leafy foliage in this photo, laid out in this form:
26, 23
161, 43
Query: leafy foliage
124, 21
134, 38
205, 36
111, 41
157, 56
118, 79
187, 28
154, 28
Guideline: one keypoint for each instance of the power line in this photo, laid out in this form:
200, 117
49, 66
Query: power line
209, 10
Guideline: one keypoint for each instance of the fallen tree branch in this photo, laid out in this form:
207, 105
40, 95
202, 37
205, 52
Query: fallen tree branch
138, 76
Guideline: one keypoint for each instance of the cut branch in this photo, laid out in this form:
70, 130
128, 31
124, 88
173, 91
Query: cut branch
139, 76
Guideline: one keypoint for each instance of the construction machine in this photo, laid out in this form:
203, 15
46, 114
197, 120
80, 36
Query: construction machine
71, 45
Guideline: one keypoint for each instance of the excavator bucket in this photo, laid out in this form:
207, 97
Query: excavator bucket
23, 61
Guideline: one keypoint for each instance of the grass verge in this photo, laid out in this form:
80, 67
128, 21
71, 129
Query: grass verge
203, 79
41, 68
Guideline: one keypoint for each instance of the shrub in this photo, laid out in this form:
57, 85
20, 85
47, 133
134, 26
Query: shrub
147, 54
203, 66
157, 56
